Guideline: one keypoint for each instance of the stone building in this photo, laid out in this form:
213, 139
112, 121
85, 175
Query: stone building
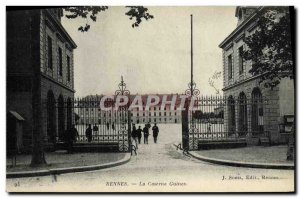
37, 41
252, 109
155, 114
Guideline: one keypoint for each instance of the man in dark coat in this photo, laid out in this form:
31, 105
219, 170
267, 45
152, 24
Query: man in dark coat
148, 125
88, 133
134, 135
107, 126
139, 134
72, 137
146, 134
155, 132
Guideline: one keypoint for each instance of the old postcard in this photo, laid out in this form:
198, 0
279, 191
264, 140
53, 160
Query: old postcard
150, 99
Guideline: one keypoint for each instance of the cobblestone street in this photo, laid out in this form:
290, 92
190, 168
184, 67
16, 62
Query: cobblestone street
159, 167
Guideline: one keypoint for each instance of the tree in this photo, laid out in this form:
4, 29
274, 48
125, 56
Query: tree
211, 81
136, 13
269, 48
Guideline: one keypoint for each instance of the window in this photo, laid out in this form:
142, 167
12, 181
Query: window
69, 69
230, 68
50, 61
241, 63
60, 61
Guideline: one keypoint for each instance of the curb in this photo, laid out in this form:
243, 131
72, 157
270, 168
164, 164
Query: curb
240, 164
68, 170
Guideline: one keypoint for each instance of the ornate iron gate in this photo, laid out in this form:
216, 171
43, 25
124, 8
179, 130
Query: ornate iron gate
223, 119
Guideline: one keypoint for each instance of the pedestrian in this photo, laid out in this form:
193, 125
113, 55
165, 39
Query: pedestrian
155, 130
139, 134
134, 136
95, 129
107, 126
209, 127
146, 134
72, 137
148, 125
113, 126
88, 133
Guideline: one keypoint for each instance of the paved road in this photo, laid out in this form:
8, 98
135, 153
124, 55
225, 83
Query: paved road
159, 167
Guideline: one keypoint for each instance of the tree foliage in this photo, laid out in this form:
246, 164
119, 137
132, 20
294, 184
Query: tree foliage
136, 13
270, 47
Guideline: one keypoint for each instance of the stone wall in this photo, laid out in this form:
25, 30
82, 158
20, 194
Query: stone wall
58, 90
271, 107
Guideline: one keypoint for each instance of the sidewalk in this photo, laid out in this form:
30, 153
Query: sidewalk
61, 162
254, 157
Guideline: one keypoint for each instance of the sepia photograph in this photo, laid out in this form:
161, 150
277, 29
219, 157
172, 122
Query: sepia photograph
150, 99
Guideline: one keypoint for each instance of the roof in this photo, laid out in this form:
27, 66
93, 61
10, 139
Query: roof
16, 115
239, 28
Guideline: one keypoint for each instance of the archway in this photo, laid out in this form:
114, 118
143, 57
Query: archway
242, 118
51, 117
61, 117
231, 115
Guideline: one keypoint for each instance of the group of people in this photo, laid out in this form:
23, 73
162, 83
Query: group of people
136, 134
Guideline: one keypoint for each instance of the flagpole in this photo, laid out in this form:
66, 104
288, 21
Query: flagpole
191, 55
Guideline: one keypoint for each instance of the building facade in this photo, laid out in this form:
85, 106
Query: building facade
251, 108
37, 41
155, 114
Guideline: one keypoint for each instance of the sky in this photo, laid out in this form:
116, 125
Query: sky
153, 58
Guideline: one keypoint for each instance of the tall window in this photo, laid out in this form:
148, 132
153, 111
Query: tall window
69, 69
50, 61
60, 61
230, 68
241, 62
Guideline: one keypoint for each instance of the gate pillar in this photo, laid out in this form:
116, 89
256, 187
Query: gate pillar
185, 127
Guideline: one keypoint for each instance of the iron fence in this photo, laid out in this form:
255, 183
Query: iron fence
220, 118
93, 124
